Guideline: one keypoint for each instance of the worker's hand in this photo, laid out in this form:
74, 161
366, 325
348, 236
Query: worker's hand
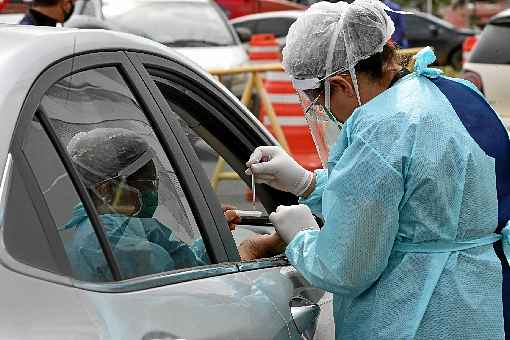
231, 216
273, 166
261, 246
290, 220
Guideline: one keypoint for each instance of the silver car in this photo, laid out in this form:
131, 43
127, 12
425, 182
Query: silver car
57, 83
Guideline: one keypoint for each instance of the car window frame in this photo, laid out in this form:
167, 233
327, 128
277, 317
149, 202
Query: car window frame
209, 91
263, 22
165, 134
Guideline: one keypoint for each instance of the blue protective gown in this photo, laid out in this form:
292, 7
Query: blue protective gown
406, 185
141, 246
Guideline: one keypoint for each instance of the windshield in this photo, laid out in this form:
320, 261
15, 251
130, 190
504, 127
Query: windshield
173, 23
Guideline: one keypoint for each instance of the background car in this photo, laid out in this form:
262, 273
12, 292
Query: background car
195, 28
11, 18
422, 29
102, 79
277, 23
237, 8
488, 65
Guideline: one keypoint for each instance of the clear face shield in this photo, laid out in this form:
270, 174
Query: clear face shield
129, 196
324, 127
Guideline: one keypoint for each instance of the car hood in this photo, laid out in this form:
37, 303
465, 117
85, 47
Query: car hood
216, 57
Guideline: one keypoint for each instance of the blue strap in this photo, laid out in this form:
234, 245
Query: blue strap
447, 246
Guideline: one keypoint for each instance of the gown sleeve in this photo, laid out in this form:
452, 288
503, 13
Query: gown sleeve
361, 223
314, 200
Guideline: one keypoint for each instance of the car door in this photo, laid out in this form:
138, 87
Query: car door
219, 126
215, 299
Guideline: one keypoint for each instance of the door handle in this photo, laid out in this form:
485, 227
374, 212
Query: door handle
160, 336
305, 318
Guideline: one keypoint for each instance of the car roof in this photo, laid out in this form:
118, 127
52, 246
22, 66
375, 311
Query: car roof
26, 51
126, 1
266, 15
501, 15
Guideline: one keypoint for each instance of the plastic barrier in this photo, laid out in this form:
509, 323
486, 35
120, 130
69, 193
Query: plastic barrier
288, 109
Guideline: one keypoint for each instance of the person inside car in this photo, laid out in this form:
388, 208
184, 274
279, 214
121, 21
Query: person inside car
119, 170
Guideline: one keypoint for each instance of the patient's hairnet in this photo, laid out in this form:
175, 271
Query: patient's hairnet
353, 32
105, 153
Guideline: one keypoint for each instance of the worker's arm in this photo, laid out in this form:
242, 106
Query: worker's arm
361, 222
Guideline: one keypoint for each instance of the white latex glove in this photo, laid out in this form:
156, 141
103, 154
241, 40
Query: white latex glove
273, 166
290, 220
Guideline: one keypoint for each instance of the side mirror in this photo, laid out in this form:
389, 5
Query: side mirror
434, 31
244, 34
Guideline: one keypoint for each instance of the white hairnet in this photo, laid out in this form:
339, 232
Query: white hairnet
105, 153
352, 32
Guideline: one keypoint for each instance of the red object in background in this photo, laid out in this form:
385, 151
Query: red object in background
2, 4
478, 11
264, 49
474, 78
13, 6
468, 45
237, 8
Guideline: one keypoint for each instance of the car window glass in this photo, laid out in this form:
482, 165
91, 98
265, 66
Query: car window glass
209, 149
24, 236
416, 26
277, 26
61, 197
142, 207
489, 48
171, 23
86, 7
251, 25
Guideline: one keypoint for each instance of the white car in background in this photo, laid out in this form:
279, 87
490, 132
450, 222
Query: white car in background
198, 29
277, 23
488, 65
10, 18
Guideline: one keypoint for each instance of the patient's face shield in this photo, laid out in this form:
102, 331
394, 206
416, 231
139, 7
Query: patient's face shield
322, 124
124, 195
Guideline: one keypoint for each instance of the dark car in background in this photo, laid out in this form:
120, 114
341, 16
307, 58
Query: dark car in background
423, 29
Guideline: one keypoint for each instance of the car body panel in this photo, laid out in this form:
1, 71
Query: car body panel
216, 57
495, 86
225, 307
237, 8
38, 309
10, 18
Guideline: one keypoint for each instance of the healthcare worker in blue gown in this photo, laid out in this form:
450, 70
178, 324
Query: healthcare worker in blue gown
412, 178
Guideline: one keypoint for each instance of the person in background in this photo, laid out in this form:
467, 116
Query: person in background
399, 36
48, 12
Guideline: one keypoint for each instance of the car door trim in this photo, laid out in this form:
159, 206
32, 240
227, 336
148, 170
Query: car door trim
159, 280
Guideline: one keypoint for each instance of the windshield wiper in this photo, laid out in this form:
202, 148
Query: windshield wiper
192, 43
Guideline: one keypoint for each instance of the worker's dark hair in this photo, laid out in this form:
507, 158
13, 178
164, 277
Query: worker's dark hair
45, 2
374, 66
